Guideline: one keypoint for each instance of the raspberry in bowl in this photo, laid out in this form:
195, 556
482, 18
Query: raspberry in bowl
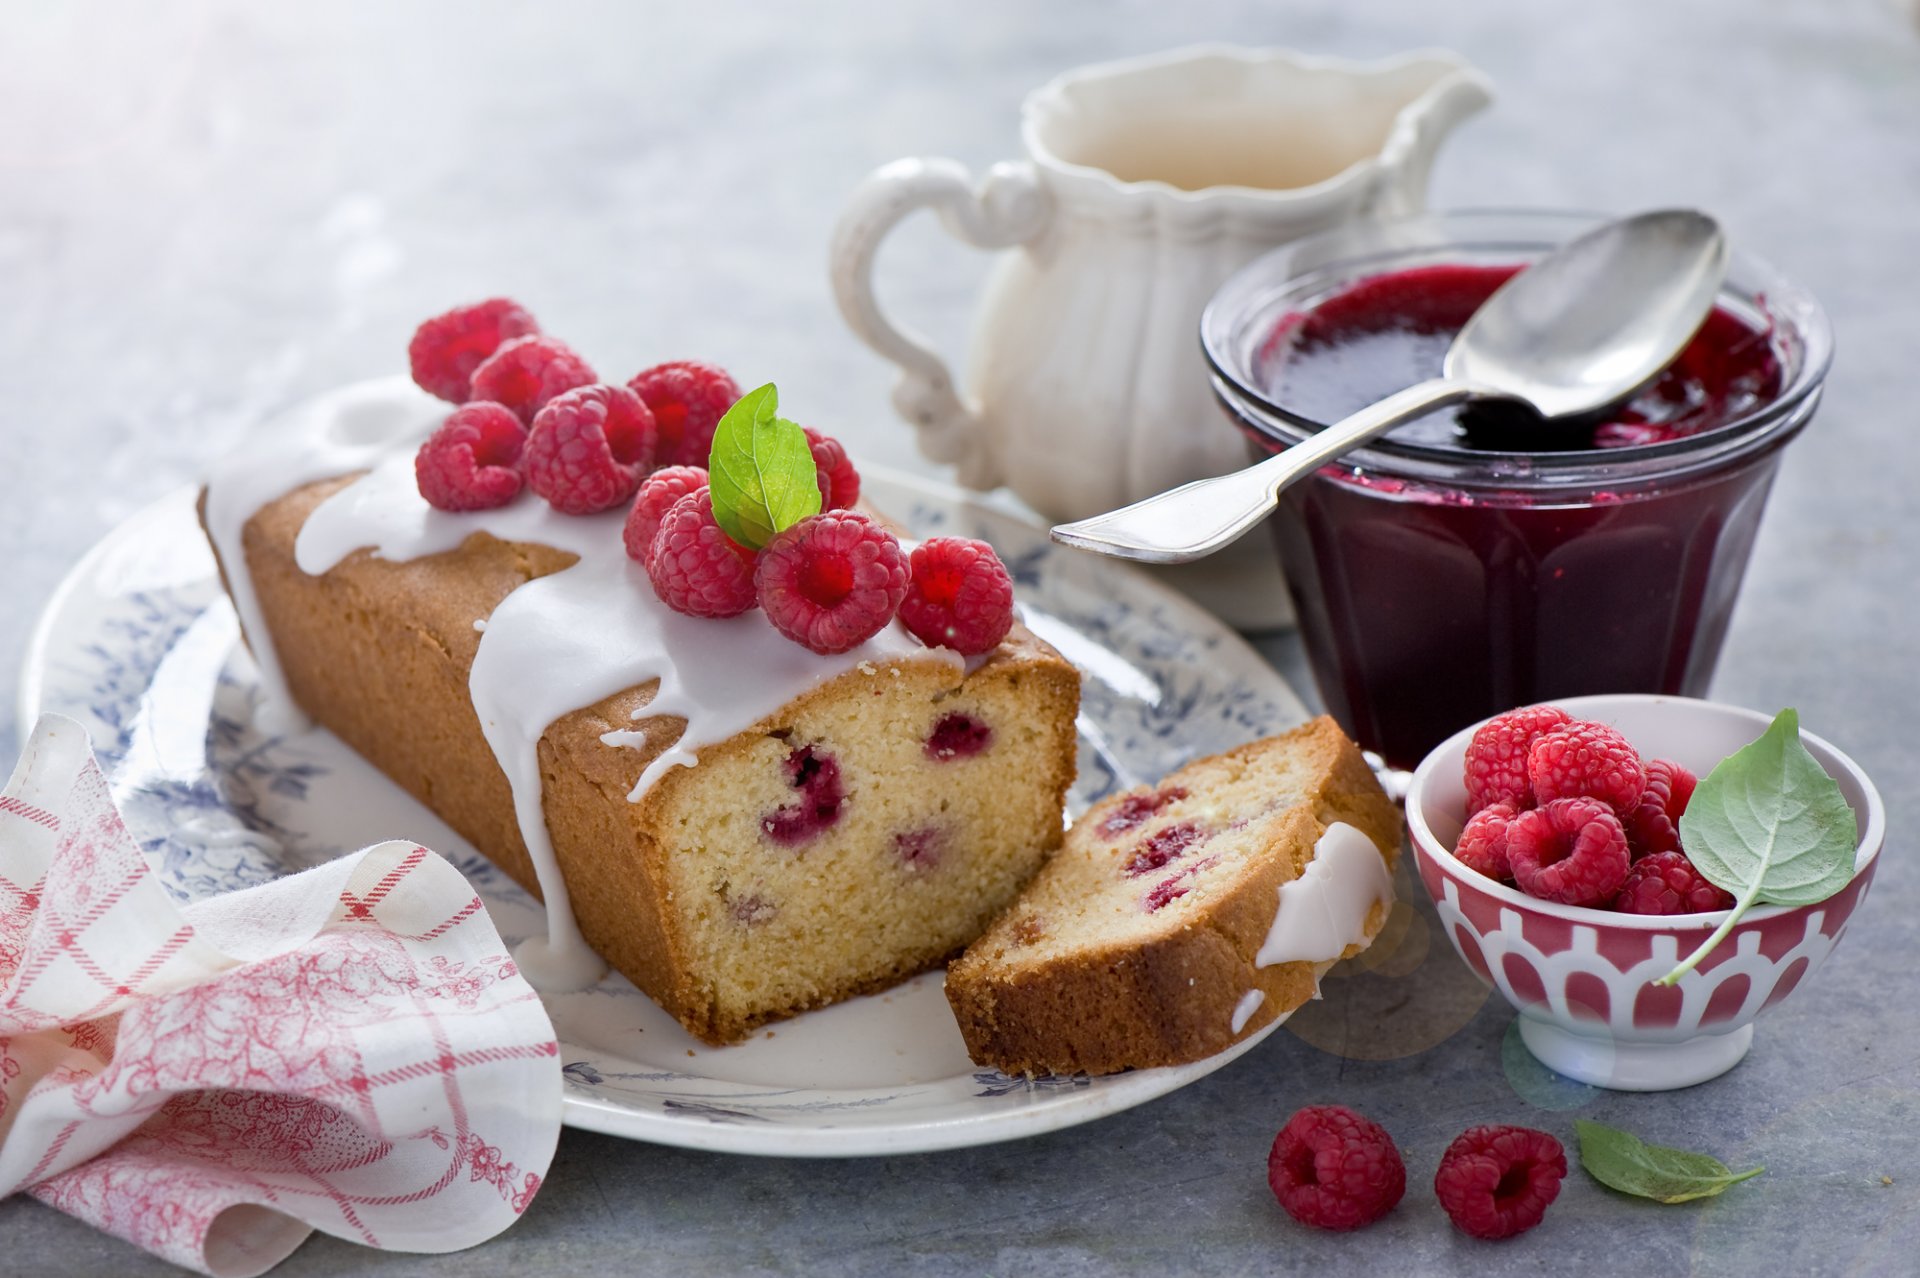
1476, 559
1583, 977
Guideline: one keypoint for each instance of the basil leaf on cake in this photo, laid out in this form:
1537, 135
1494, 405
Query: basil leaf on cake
1640, 875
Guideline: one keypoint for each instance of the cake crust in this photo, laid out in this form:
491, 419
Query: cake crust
379, 652
1163, 991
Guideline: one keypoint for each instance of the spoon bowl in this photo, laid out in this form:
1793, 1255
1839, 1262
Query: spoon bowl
1574, 334
1584, 328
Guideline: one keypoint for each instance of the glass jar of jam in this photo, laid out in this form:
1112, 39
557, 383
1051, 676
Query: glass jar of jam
1481, 558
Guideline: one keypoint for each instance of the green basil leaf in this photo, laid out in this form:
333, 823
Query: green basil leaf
1770, 826
1620, 1160
760, 471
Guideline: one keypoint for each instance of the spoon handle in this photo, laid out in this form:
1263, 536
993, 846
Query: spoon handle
1194, 520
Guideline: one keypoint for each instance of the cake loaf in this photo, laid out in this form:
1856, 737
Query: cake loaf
1179, 918
843, 839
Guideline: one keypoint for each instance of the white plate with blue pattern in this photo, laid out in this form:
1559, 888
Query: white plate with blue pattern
140, 645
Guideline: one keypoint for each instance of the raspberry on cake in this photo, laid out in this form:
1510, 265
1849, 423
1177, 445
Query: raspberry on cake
961, 596
839, 481
447, 348
696, 569
589, 449
831, 581
1175, 921
688, 398
472, 462
528, 371
658, 493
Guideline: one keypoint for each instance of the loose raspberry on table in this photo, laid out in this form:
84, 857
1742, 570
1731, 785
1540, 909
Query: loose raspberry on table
961, 596
1586, 760
447, 348
832, 581
1653, 824
839, 481
657, 494
1572, 851
695, 567
1483, 844
1334, 1169
1496, 765
589, 449
1495, 1182
526, 372
688, 398
472, 462
1668, 883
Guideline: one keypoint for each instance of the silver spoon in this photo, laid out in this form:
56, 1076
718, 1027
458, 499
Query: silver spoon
1578, 331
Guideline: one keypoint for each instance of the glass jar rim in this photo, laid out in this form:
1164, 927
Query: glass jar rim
1306, 270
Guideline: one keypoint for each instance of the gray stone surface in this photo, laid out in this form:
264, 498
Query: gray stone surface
207, 210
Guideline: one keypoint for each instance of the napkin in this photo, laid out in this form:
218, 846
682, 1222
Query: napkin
349, 1049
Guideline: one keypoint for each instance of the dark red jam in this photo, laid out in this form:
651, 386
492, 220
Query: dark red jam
1386, 333
1426, 604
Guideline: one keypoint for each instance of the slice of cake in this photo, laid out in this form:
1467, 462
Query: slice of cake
1179, 918
745, 828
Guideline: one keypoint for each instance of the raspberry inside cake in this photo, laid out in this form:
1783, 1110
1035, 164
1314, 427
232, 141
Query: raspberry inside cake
1146, 939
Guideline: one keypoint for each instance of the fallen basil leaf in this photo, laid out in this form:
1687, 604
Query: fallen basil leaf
1620, 1160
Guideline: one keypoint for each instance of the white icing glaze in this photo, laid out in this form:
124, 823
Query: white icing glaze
349, 430
635, 737
554, 645
1243, 1010
1325, 910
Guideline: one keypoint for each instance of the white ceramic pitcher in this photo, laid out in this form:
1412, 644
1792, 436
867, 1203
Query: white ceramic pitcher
1147, 183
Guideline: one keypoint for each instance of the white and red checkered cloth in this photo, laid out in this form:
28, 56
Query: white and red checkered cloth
350, 1049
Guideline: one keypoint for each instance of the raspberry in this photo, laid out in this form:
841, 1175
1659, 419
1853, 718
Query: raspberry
1163, 846
695, 568
473, 461
1653, 824
957, 736
1572, 851
1496, 765
1589, 760
961, 596
839, 481
526, 372
1334, 1169
1496, 1182
832, 581
815, 774
657, 494
447, 348
1136, 810
1483, 844
688, 399
589, 449
1668, 883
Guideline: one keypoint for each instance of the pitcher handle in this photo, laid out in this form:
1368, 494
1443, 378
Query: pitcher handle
1006, 209
1407, 155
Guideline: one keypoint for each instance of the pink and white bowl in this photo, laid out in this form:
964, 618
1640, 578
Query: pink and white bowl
1582, 979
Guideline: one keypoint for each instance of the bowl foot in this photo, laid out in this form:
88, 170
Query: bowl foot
1634, 1067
